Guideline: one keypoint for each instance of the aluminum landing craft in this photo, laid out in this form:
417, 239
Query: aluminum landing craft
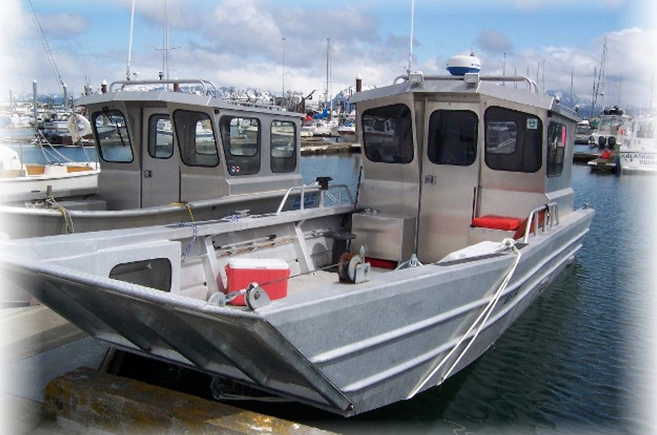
463, 217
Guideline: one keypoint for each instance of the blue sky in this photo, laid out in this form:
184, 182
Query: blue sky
240, 42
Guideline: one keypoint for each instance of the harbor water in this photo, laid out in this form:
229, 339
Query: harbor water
579, 360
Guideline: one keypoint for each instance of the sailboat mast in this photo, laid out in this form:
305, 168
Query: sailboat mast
328, 74
601, 77
593, 94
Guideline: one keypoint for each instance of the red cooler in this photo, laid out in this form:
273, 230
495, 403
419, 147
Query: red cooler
270, 274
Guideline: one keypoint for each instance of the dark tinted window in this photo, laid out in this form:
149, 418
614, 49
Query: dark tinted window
387, 134
556, 148
452, 137
513, 140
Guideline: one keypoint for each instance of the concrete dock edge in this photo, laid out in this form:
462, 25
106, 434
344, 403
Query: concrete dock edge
120, 405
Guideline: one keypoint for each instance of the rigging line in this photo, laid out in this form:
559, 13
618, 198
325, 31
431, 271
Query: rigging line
51, 58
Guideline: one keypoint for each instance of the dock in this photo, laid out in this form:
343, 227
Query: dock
583, 157
50, 387
310, 146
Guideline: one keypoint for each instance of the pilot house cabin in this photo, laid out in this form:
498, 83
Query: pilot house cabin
462, 158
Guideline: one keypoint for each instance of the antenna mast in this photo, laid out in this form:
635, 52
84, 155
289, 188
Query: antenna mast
132, 23
410, 50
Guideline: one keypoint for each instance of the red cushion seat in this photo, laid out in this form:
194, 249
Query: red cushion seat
496, 222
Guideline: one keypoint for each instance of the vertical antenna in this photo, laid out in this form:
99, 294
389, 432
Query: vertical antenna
165, 58
410, 50
132, 23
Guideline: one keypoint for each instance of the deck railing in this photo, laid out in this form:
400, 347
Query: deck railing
336, 193
550, 215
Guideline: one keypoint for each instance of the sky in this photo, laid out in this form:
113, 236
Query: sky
289, 45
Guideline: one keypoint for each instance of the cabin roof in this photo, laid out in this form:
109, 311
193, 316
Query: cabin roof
167, 97
486, 86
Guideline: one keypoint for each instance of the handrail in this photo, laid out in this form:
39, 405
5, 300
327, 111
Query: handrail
315, 188
533, 220
533, 87
205, 84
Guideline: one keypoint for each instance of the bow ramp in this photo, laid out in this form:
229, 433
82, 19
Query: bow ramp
217, 340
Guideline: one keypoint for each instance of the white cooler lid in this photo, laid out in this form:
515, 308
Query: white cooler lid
257, 263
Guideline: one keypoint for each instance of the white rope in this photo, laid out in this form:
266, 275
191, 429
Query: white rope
479, 322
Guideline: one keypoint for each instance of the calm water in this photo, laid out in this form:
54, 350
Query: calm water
581, 358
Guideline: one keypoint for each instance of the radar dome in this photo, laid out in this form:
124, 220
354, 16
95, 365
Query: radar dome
462, 63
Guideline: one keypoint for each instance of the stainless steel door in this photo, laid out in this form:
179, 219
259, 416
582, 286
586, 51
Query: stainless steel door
160, 160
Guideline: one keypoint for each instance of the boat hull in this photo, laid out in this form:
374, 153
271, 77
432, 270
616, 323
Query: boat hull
67, 183
638, 162
346, 348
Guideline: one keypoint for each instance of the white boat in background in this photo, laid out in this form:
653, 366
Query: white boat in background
21, 183
320, 128
638, 155
347, 131
612, 127
346, 307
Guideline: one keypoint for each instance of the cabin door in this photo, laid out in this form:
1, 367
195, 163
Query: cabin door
450, 168
160, 173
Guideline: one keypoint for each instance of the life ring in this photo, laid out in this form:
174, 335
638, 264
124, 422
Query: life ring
79, 126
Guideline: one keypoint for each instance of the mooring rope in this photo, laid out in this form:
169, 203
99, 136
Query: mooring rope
479, 322
51, 202
188, 207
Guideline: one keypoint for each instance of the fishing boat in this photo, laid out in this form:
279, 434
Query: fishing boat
457, 226
639, 154
171, 151
611, 128
63, 178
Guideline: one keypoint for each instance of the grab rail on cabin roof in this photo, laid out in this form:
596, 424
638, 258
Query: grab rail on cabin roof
205, 84
209, 88
418, 76
246, 103
551, 214
304, 190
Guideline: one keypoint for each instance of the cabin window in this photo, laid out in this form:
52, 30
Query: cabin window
452, 137
513, 140
645, 129
160, 137
195, 137
111, 131
556, 148
388, 134
283, 154
241, 138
